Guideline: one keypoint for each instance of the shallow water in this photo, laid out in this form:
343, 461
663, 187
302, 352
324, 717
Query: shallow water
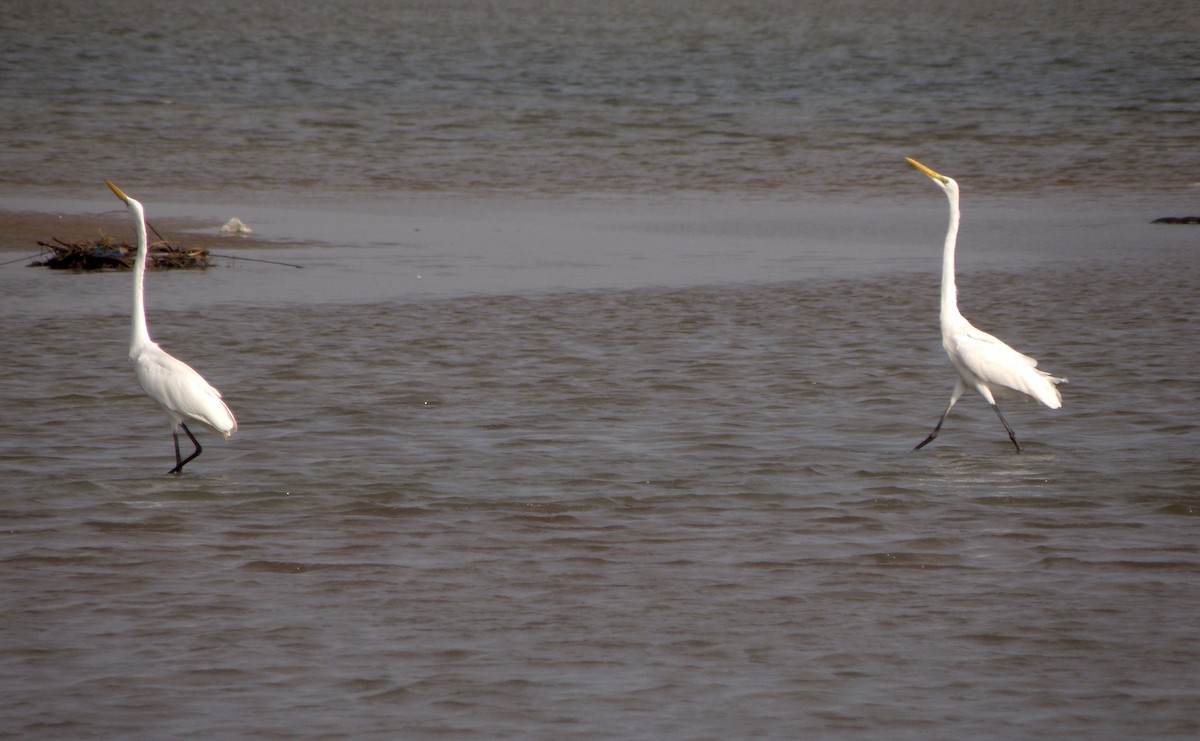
633, 461
666, 511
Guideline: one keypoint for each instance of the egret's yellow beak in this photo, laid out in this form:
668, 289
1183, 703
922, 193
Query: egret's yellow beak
940, 178
115, 189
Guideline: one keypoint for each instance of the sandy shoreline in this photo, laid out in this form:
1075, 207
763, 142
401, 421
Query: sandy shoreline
20, 231
24, 222
461, 244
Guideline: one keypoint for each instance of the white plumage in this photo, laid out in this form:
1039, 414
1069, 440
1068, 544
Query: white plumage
182, 392
983, 362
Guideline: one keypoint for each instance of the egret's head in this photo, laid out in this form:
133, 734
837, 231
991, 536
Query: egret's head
120, 193
134, 205
946, 183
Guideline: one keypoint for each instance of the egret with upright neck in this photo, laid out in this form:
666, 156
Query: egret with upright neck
182, 392
983, 362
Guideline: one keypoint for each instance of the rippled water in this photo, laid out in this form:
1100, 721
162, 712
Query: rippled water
656, 512
789, 98
606, 467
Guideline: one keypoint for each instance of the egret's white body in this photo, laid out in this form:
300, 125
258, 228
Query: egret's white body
182, 392
983, 362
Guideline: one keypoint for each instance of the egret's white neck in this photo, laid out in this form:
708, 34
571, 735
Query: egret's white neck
949, 288
140, 334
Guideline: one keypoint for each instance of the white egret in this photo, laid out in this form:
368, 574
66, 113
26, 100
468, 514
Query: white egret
983, 362
182, 392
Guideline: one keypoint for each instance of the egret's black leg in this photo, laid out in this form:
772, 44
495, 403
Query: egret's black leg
959, 388
1011, 435
933, 434
179, 464
938, 428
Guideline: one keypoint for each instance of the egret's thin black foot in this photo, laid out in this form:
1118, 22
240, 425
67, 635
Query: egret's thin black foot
1007, 428
179, 464
936, 429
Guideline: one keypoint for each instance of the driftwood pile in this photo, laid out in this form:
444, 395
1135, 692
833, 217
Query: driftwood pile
107, 254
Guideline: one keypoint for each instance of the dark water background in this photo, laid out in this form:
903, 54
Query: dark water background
590, 414
789, 99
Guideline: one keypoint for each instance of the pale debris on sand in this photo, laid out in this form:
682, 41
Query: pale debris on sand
235, 226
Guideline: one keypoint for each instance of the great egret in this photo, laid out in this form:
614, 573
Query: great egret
182, 392
983, 362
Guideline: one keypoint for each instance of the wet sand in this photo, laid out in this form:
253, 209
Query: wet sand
627, 241
20, 231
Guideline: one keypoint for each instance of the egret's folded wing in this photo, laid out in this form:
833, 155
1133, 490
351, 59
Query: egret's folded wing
995, 363
179, 388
